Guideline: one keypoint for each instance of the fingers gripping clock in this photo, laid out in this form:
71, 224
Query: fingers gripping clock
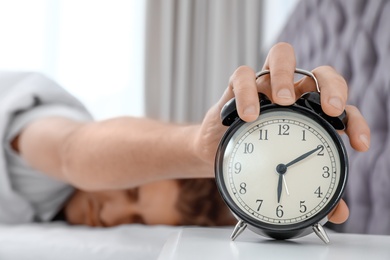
282, 174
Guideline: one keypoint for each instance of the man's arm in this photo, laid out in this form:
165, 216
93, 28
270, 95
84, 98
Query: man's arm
113, 154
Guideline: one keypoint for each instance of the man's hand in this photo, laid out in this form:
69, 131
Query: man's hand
280, 87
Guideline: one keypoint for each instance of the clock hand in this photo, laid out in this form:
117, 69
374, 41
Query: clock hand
282, 169
279, 189
285, 185
303, 156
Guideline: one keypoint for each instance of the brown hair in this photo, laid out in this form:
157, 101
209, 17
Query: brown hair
201, 204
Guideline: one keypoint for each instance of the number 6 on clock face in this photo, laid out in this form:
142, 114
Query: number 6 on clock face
278, 139
282, 174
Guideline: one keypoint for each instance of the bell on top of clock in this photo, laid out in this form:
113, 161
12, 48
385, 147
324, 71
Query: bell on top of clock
282, 174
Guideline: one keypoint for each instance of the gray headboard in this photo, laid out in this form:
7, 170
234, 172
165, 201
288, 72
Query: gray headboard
353, 37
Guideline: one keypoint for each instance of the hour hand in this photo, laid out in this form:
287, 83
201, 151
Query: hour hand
303, 156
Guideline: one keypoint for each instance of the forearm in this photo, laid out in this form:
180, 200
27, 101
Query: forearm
126, 152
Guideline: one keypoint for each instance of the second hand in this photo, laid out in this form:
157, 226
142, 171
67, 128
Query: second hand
285, 185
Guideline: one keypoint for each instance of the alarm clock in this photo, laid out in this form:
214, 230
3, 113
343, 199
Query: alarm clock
282, 174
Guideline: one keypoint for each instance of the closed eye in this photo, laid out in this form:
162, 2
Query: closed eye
137, 219
133, 194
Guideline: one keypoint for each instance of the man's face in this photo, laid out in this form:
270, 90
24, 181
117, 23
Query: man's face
150, 204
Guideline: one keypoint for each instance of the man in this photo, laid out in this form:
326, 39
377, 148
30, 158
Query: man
134, 170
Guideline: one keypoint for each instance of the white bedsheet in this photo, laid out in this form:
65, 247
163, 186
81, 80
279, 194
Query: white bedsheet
60, 241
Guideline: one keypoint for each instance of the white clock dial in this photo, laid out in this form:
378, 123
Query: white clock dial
281, 169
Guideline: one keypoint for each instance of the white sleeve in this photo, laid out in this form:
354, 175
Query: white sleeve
21, 119
25, 194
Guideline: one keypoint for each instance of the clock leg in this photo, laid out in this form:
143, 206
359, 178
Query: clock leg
240, 226
321, 233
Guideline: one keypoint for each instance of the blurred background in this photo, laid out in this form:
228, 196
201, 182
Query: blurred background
167, 59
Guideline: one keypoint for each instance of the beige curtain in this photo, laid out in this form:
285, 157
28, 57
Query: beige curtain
192, 47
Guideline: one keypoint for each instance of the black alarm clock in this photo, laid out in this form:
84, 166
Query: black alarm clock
282, 174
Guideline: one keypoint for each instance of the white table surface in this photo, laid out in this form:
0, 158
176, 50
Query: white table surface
215, 243
60, 241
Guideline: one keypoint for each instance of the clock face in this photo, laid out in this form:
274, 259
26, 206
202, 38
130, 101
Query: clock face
284, 169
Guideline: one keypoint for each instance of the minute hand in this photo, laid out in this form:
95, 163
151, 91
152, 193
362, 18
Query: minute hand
303, 156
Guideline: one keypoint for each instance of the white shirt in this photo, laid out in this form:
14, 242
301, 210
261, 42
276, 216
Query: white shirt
28, 195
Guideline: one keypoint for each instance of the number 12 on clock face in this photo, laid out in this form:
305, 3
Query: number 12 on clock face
282, 171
